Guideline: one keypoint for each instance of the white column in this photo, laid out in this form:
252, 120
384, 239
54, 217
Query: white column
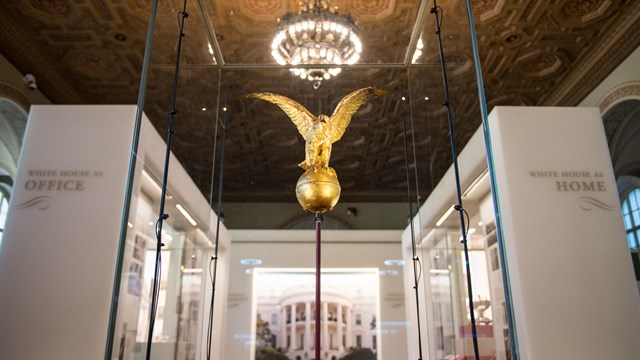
325, 326
307, 326
293, 327
283, 326
349, 328
340, 347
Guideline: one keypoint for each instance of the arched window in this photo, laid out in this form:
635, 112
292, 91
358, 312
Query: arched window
4, 208
631, 216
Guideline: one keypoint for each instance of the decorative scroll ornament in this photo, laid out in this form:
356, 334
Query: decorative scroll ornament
588, 203
318, 189
39, 202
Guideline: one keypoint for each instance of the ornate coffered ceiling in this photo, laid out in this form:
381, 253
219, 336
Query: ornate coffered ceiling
532, 52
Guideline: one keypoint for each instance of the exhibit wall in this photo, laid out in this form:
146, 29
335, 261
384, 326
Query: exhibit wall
569, 186
57, 257
363, 293
561, 272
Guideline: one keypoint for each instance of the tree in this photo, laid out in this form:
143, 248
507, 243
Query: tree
264, 342
269, 353
359, 354
263, 333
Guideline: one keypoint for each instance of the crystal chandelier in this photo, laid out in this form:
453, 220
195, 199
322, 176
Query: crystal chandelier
316, 35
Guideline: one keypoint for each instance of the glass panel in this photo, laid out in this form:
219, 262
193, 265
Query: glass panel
184, 293
4, 207
631, 239
223, 57
449, 323
625, 206
636, 217
633, 199
627, 222
446, 295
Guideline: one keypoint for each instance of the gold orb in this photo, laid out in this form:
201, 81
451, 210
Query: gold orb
318, 191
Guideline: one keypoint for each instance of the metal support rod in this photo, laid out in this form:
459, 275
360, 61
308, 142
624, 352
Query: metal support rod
414, 257
493, 186
162, 215
215, 257
435, 11
319, 219
117, 281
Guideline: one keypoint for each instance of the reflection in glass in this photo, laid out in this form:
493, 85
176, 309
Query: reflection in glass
449, 321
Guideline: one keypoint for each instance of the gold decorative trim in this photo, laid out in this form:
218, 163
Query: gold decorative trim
619, 93
12, 93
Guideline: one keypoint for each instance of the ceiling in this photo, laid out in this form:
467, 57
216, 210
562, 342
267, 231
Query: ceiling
532, 53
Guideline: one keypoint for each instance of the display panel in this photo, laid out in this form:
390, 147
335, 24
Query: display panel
266, 281
350, 307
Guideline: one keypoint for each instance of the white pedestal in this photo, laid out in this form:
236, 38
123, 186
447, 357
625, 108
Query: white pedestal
57, 257
573, 290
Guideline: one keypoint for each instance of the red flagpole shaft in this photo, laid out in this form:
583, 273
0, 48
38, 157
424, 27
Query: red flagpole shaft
318, 304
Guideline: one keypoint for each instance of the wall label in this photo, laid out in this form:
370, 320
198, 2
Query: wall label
582, 181
50, 180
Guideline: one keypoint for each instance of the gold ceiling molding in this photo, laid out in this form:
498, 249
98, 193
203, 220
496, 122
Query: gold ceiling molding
541, 65
602, 57
263, 7
625, 91
373, 9
51, 7
487, 9
586, 9
14, 94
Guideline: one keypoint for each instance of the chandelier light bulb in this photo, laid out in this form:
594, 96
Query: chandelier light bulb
319, 36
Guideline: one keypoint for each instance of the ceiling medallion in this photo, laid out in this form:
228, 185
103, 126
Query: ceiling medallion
316, 35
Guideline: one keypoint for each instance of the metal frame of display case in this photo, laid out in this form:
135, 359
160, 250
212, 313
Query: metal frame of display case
220, 64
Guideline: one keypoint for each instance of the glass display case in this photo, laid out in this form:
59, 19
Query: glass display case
229, 50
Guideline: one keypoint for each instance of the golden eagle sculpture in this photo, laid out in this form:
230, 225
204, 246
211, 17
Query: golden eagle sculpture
318, 189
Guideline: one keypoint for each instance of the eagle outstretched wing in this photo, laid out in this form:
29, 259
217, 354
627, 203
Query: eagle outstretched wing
348, 106
300, 116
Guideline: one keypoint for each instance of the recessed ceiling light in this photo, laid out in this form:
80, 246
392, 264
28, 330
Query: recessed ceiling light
394, 262
445, 216
191, 271
204, 109
186, 214
253, 262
